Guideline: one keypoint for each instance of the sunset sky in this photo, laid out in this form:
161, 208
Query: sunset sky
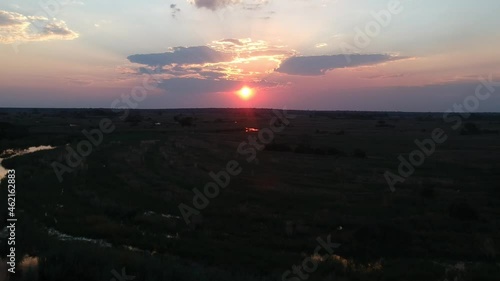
413, 55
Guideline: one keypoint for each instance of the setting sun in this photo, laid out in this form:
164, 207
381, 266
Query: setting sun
245, 93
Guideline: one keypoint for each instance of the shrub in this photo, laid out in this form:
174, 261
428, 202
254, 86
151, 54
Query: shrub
380, 239
278, 147
184, 121
463, 211
334, 151
134, 118
319, 151
359, 153
303, 149
427, 192
340, 133
470, 129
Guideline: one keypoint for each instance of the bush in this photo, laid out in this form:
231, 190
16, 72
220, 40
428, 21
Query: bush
319, 151
470, 129
380, 240
334, 151
340, 133
463, 211
278, 147
427, 192
383, 124
303, 149
184, 121
359, 153
134, 118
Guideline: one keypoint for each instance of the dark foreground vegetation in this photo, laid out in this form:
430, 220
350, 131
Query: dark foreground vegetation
323, 174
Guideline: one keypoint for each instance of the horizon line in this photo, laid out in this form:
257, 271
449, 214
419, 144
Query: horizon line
246, 108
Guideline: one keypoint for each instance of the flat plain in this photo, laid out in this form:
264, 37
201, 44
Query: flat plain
322, 175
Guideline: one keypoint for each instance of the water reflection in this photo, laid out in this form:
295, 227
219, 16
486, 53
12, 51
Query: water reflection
9, 153
251, 130
3, 172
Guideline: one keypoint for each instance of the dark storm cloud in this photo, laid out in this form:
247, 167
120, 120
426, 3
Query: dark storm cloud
182, 55
201, 86
318, 65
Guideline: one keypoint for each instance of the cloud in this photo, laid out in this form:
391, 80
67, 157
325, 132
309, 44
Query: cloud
319, 65
182, 55
77, 81
202, 86
385, 76
214, 75
213, 4
222, 65
246, 47
255, 5
320, 45
231, 59
174, 9
10, 18
184, 71
232, 41
15, 27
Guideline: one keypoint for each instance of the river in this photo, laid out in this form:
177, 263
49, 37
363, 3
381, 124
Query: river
9, 153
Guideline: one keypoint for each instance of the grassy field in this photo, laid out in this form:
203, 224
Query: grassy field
322, 175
